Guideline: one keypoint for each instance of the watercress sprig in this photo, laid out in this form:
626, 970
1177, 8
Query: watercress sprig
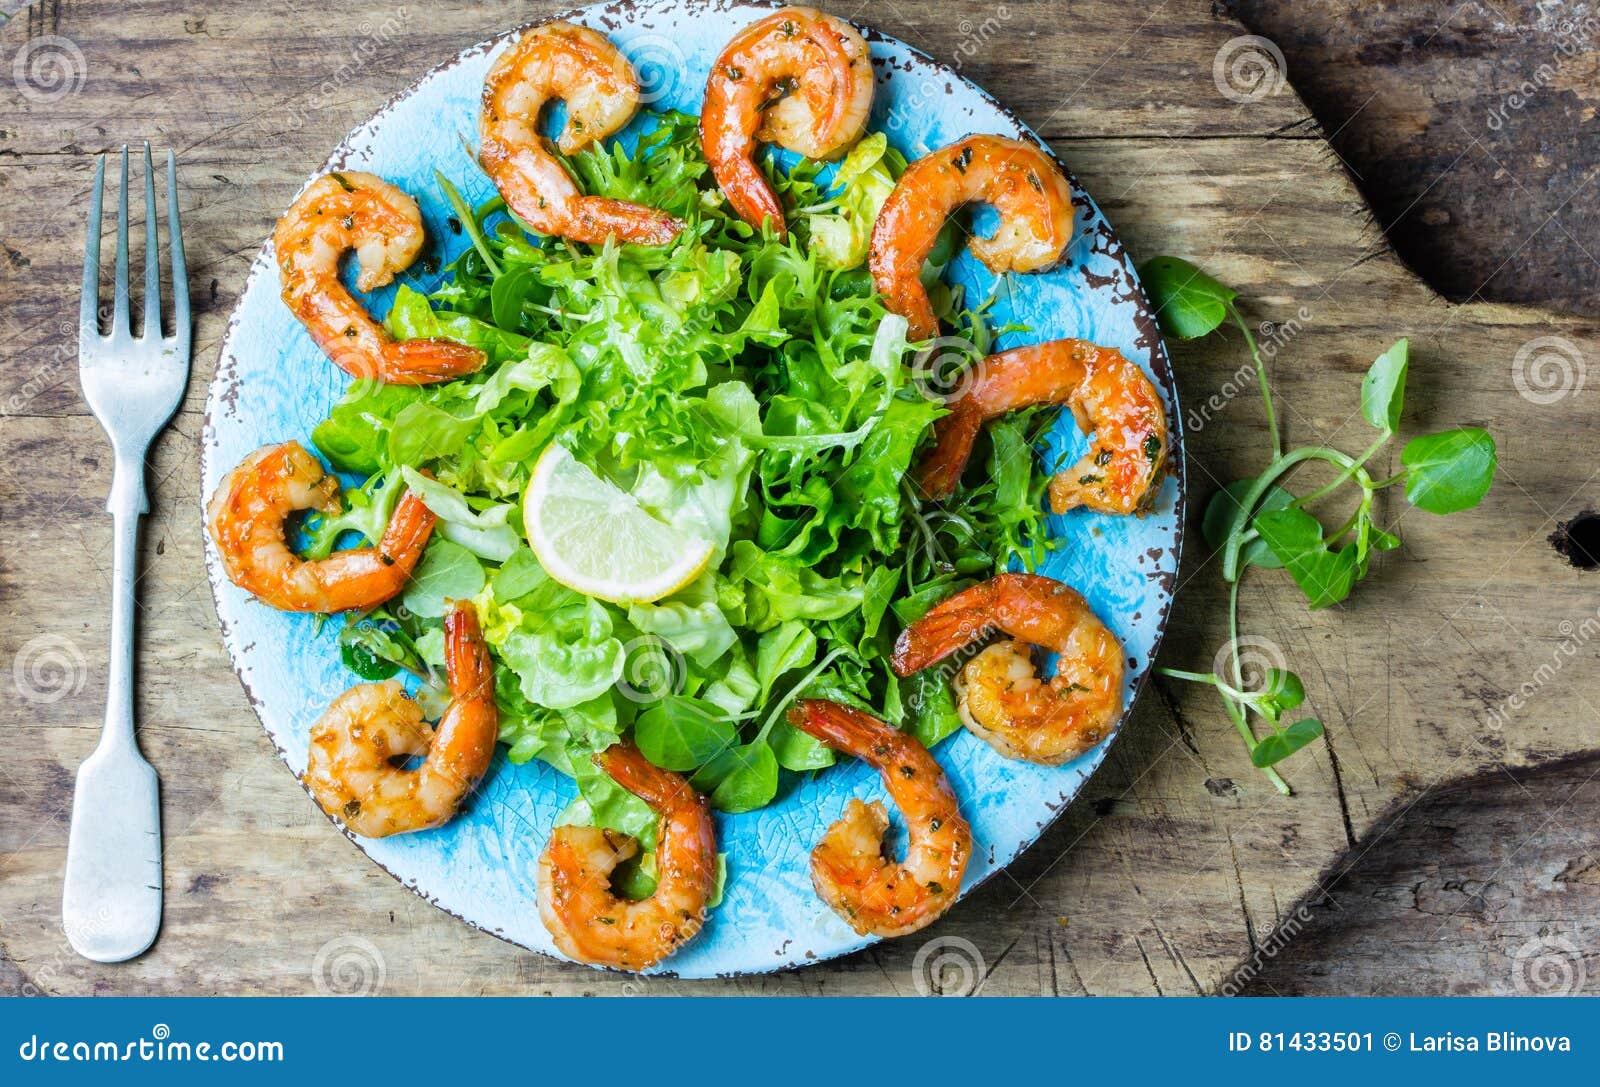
1258, 522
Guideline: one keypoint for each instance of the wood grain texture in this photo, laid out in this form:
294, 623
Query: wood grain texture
1473, 126
1177, 862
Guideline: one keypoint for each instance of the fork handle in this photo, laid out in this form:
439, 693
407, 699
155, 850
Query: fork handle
111, 893
126, 504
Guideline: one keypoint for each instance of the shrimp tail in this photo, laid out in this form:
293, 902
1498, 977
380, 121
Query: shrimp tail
471, 726
408, 532
427, 362
465, 653
953, 439
627, 766
965, 618
835, 724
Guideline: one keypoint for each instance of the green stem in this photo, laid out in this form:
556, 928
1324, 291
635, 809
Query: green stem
1261, 379
1344, 529
1259, 487
1241, 720
1305, 500
1207, 678
1379, 485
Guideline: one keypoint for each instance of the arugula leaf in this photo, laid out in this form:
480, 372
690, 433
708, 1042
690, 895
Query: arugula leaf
1273, 749
1225, 516
932, 707
1450, 471
1188, 303
1383, 389
796, 750
1295, 537
679, 733
740, 779
447, 572
1281, 691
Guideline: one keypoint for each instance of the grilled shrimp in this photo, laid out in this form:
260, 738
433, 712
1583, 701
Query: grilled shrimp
353, 746
874, 895
588, 921
582, 68
1023, 184
246, 518
798, 78
1110, 397
353, 211
999, 693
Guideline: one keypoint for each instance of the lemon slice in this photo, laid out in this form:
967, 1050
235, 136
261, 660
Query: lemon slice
595, 538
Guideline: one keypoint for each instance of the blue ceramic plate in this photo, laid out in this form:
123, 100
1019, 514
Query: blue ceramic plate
273, 384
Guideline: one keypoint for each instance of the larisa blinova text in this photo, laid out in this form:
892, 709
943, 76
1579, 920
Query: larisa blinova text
1495, 1041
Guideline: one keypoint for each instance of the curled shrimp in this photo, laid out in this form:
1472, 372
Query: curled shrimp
246, 519
1023, 184
347, 211
798, 78
588, 921
874, 895
998, 692
354, 745
582, 68
1110, 398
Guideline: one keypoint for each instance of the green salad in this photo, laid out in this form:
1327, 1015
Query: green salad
750, 392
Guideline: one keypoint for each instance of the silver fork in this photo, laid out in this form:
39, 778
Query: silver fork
111, 902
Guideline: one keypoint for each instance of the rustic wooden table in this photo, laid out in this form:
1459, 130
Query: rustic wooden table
1177, 871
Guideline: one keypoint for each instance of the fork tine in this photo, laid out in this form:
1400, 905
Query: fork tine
180, 270
152, 245
119, 317
89, 307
